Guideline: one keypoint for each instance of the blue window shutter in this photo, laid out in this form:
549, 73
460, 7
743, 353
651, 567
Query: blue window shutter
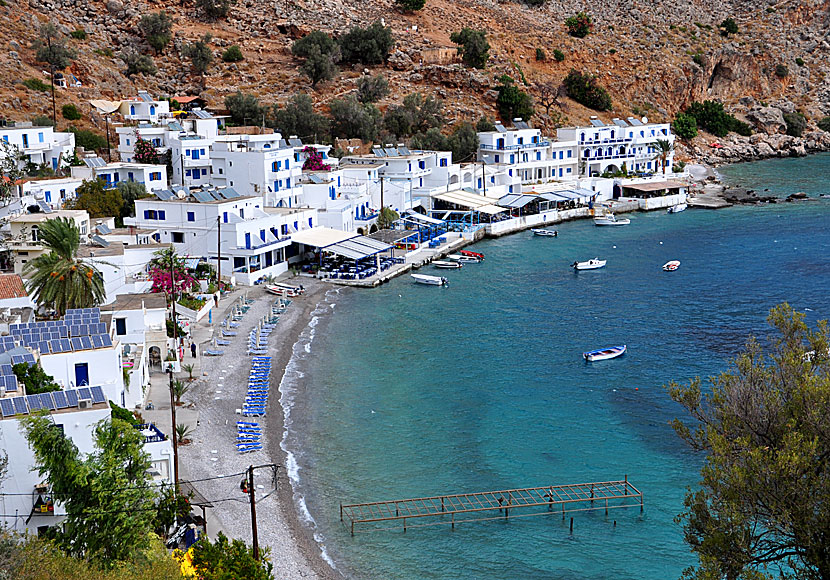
146, 214
262, 234
247, 241
161, 214
225, 217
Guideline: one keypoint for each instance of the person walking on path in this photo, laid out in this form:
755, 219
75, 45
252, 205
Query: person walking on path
193, 349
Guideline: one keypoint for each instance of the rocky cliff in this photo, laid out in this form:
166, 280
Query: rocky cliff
654, 57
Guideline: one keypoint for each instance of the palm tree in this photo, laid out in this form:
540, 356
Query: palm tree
180, 389
664, 149
183, 432
57, 278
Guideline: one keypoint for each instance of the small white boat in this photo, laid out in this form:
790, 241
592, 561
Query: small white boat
671, 266
464, 259
610, 219
589, 265
604, 353
545, 233
430, 280
278, 290
446, 265
677, 208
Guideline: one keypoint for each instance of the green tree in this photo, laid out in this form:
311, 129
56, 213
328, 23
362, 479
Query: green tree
410, 5
353, 119
540, 55
137, 63
200, 54
664, 148
297, 117
225, 560
386, 217
10, 157
244, 108
233, 54
728, 26
51, 48
157, 29
685, 126
796, 123
711, 116
369, 45
70, 112
416, 114
579, 25
172, 506
109, 504
371, 89
781, 71
320, 52
472, 46
56, 278
97, 200
764, 497
463, 142
485, 124
42, 121
213, 9
824, 124
87, 139
512, 102
586, 90
431, 140
130, 191
558, 55
34, 378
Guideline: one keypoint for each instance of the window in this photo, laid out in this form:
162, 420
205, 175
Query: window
177, 237
191, 216
150, 214
152, 109
155, 176
187, 173
538, 156
132, 109
6, 138
570, 153
202, 151
117, 177
225, 217
187, 152
311, 222
161, 214
262, 235
288, 182
25, 140
230, 163
156, 142
63, 194
568, 170
422, 164
40, 136
221, 171
444, 162
130, 176
120, 326
247, 240
128, 142
48, 196
521, 141
497, 158
284, 229
286, 163
204, 172
242, 213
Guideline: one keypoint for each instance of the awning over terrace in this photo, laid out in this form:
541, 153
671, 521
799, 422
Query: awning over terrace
471, 201
357, 248
655, 186
419, 217
321, 237
516, 200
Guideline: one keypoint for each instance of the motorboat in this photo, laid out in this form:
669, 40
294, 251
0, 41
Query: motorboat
545, 233
279, 291
446, 265
610, 219
671, 266
430, 280
473, 254
463, 259
604, 353
677, 208
589, 265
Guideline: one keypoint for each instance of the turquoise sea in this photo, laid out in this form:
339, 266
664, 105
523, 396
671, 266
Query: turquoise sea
411, 391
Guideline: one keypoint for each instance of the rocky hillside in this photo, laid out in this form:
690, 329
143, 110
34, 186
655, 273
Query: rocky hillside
654, 57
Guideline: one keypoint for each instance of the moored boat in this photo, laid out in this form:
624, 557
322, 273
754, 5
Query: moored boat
671, 266
604, 353
473, 254
677, 208
446, 265
610, 219
589, 265
430, 280
464, 259
278, 290
545, 233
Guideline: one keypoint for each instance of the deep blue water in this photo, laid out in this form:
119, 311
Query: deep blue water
415, 390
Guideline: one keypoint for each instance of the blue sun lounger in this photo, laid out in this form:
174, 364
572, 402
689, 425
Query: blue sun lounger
210, 352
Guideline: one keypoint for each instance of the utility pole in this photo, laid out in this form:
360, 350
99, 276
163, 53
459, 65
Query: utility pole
218, 252
381, 193
173, 432
52, 75
107, 123
484, 178
252, 495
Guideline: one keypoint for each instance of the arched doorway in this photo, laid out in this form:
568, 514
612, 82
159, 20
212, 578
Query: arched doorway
361, 231
373, 228
154, 356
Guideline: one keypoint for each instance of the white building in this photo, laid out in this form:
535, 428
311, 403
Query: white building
154, 177
255, 239
39, 145
24, 243
123, 267
262, 165
144, 108
526, 156
53, 192
623, 146
193, 153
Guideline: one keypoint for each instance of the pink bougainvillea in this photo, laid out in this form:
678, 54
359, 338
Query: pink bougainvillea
159, 271
314, 160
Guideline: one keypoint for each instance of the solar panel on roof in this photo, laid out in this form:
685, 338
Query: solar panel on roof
43, 347
72, 397
20, 406
597, 123
76, 344
84, 393
94, 162
391, 152
295, 142
201, 113
17, 359
500, 128
230, 192
60, 399
99, 241
98, 395
201, 196
145, 96
34, 402
377, 151
7, 407
635, 122
6, 370
29, 358
63, 331
66, 346
86, 343
97, 342
107, 340
212, 193
44, 207
404, 150
55, 346
83, 329
521, 125
11, 384
46, 401
164, 194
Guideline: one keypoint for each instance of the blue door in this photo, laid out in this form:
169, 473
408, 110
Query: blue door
81, 374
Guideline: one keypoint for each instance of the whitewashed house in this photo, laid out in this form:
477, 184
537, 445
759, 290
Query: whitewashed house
122, 267
255, 239
144, 108
629, 145
39, 145
191, 153
154, 177
260, 165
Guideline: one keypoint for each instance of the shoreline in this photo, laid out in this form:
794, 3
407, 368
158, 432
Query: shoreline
216, 395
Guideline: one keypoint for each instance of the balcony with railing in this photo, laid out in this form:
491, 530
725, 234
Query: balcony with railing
605, 141
516, 147
152, 434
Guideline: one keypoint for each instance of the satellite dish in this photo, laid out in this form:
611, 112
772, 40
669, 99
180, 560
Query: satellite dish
645, 120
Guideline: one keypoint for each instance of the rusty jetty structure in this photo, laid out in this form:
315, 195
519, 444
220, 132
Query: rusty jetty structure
490, 505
